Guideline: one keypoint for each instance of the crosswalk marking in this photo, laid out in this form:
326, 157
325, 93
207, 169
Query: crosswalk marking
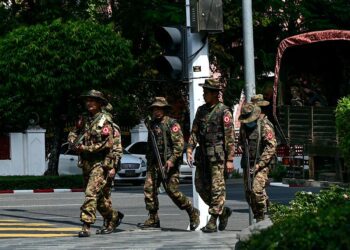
53, 229
24, 224
34, 235
12, 228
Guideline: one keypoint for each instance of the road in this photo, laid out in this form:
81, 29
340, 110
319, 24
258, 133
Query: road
52, 219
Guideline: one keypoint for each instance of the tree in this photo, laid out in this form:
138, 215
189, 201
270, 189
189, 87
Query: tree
45, 67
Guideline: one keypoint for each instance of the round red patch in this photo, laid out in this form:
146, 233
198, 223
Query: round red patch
269, 135
175, 128
105, 131
227, 119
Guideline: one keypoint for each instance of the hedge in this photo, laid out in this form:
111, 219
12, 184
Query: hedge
40, 182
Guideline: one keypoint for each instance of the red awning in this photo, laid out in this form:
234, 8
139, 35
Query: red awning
301, 39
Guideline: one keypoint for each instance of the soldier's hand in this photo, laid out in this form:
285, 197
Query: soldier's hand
190, 159
78, 148
229, 166
257, 168
169, 165
111, 173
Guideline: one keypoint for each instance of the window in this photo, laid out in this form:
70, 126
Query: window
139, 148
4, 147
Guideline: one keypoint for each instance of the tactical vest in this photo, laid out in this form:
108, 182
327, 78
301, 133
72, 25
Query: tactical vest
161, 131
253, 138
212, 133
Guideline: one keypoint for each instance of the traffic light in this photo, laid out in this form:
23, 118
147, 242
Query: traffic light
173, 62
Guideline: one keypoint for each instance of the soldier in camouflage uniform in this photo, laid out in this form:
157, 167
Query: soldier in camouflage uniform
257, 133
214, 132
170, 142
98, 143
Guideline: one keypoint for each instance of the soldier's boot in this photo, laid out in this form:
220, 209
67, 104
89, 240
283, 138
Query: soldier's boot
113, 223
85, 231
211, 226
193, 213
151, 222
259, 216
104, 226
223, 218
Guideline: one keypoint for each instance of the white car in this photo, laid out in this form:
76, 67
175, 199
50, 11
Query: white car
132, 169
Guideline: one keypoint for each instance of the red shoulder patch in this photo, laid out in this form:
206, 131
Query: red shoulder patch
105, 130
227, 119
175, 128
269, 135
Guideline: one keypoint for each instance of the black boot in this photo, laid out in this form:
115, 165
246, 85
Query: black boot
211, 226
194, 214
223, 218
151, 222
113, 224
85, 231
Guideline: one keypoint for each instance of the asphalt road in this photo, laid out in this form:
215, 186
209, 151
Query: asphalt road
38, 221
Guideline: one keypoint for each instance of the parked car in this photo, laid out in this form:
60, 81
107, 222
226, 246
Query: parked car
139, 149
132, 168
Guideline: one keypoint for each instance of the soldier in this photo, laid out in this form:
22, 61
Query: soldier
214, 132
170, 142
99, 146
257, 139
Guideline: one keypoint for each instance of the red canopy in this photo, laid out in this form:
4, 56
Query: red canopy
301, 39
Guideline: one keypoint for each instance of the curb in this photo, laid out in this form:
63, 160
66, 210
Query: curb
47, 190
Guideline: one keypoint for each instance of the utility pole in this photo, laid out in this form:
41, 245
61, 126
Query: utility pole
248, 44
198, 71
249, 68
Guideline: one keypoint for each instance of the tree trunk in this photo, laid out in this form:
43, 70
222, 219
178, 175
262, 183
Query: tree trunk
52, 168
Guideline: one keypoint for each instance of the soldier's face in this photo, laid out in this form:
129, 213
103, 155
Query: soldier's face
92, 105
210, 96
158, 113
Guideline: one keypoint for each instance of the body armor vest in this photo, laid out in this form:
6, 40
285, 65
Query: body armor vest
212, 133
162, 134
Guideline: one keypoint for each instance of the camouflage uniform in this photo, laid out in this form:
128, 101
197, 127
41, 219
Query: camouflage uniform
170, 143
101, 150
213, 130
262, 155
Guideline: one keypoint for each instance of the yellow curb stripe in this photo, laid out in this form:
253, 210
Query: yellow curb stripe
8, 220
26, 224
58, 229
35, 235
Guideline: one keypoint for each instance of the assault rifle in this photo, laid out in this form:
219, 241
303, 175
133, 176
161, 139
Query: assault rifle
81, 136
250, 177
159, 164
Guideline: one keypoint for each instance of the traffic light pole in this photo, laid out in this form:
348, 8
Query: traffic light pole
198, 71
248, 44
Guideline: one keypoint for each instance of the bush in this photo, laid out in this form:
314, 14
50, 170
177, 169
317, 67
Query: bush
278, 172
40, 182
312, 221
342, 120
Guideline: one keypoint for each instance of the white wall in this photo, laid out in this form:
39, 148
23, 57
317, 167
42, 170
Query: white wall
27, 153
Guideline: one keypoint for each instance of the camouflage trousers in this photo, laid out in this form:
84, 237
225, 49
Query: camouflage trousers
152, 183
210, 185
97, 195
257, 198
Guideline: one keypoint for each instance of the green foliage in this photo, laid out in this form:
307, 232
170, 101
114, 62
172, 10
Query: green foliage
278, 172
313, 221
342, 121
40, 182
308, 202
44, 68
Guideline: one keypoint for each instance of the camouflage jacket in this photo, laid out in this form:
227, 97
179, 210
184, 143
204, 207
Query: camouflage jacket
169, 138
213, 128
101, 141
263, 153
